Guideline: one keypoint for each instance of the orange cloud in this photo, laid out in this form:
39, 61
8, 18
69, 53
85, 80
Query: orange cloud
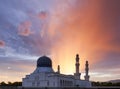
84, 30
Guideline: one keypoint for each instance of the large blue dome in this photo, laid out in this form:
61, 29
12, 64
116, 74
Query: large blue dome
44, 62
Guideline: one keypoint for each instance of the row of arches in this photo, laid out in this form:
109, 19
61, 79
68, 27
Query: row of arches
64, 83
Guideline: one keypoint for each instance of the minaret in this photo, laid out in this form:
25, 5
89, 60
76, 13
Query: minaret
86, 71
58, 69
77, 74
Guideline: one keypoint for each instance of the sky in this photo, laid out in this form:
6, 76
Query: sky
60, 29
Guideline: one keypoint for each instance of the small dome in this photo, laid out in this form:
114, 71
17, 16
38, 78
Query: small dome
44, 62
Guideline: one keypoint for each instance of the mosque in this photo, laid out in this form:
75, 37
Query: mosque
44, 76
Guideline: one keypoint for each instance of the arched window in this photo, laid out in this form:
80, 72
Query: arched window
33, 83
63, 82
36, 77
60, 83
47, 83
38, 83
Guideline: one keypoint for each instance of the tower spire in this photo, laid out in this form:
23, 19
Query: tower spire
58, 68
77, 74
86, 71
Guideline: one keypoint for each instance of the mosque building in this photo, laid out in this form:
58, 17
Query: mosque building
44, 76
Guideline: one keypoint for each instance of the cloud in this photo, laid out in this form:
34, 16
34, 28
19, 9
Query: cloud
15, 68
21, 33
61, 29
42, 15
2, 43
90, 28
109, 62
24, 28
19, 64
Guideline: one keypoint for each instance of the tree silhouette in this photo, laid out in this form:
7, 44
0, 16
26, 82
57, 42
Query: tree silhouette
11, 84
3, 84
105, 84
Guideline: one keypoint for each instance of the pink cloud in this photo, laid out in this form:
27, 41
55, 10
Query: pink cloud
24, 28
2, 43
42, 15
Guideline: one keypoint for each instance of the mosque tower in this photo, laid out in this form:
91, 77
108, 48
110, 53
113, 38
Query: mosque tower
77, 74
58, 69
86, 71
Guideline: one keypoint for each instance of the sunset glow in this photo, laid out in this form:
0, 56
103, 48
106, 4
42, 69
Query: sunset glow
60, 29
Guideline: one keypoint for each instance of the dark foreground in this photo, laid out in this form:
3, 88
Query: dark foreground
15, 87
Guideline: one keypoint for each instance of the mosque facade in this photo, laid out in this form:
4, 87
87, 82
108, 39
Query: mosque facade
44, 76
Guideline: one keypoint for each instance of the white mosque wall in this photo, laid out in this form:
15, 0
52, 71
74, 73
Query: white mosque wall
44, 76
53, 80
